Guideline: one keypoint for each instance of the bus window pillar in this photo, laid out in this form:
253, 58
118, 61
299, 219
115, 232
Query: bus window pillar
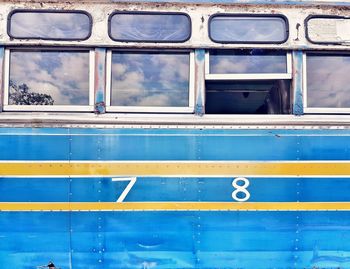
297, 83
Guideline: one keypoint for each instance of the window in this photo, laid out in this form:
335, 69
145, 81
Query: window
327, 29
248, 82
327, 82
250, 28
150, 81
48, 80
49, 24
149, 27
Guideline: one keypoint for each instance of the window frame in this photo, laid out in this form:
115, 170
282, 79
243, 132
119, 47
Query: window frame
307, 36
319, 110
148, 13
147, 109
248, 76
48, 108
8, 28
283, 17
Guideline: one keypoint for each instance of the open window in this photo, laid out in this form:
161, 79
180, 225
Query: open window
326, 82
150, 81
252, 81
48, 80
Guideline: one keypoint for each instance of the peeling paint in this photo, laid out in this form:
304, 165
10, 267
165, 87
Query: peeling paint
100, 80
199, 81
298, 107
199, 11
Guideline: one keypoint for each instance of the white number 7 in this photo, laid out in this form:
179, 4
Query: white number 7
128, 187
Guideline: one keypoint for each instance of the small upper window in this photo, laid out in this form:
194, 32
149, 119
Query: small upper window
150, 27
49, 25
327, 83
327, 29
253, 28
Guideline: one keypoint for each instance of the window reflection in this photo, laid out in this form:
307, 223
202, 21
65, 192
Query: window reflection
50, 25
328, 83
150, 79
49, 78
150, 27
247, 61
267, 29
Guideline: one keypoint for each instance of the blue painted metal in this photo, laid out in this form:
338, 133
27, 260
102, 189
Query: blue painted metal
174, 239
298, 104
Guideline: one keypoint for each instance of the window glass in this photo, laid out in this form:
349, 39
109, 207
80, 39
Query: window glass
50, 25
49, 78
253, 29
328, 29
150, 27
247, 61
150, 79
328, 82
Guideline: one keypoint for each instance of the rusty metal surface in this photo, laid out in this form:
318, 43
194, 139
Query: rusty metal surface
199, 12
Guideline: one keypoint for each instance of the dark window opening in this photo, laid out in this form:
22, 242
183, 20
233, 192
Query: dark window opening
248, 97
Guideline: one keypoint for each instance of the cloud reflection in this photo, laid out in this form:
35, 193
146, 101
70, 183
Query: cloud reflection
50, 25
150, 79
248, 29
328, 83
239, 62
150, 27
62, 75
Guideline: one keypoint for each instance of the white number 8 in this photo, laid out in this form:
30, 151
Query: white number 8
240, 188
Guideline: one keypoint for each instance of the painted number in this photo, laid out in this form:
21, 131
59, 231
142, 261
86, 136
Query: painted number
240, 188
128, 187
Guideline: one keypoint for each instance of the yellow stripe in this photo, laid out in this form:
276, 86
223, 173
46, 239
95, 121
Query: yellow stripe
176, 206
176, 168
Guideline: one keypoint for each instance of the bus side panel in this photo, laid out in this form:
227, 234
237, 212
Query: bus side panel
173, 239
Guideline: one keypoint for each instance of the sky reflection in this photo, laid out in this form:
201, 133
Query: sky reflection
328, 83
150, 79
62, 75
247, 29
150, 27
247, 61
50, 25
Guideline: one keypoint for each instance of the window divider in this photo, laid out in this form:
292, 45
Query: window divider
251, 76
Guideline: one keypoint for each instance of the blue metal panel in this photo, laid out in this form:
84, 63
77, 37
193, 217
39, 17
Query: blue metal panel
34, 144
34, 189
173, 189
325, 147
174, 239
30, 239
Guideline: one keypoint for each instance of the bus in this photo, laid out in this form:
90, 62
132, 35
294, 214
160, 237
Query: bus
175, 134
